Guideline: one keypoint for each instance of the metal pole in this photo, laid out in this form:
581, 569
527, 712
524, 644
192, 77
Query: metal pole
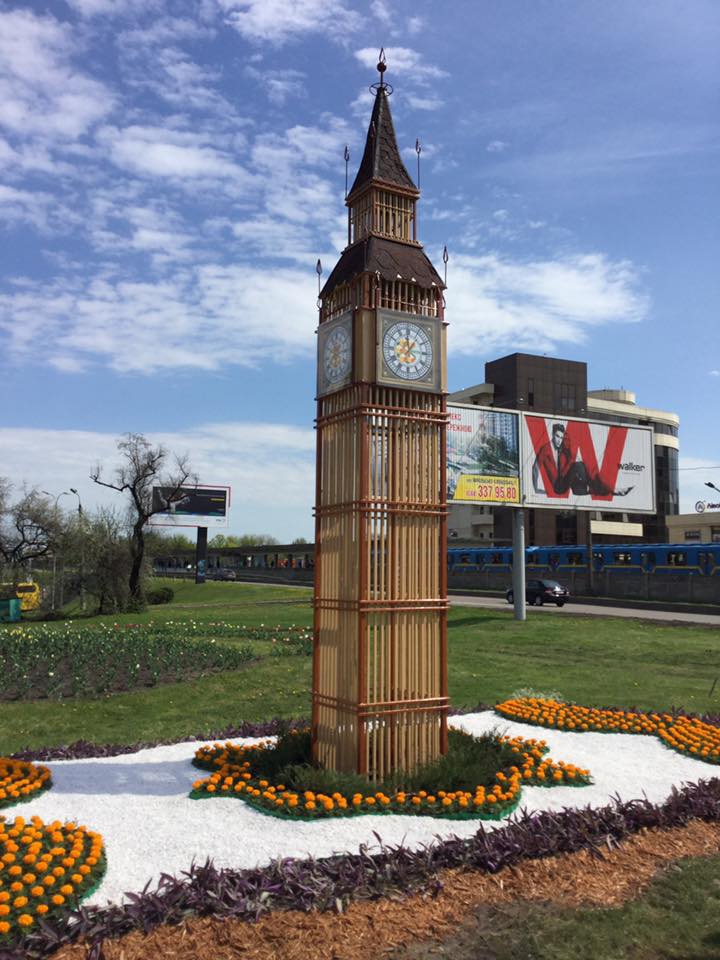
519, 563
56, 511
201, 554
81, 530
52, 598
589, 548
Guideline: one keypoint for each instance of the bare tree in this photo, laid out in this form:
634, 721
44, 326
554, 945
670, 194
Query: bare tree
144, 467
29, 528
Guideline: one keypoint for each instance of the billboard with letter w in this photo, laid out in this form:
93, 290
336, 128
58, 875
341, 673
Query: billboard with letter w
569, 463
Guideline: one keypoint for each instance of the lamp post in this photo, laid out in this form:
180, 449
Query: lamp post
81, 529
712, 486
57, 500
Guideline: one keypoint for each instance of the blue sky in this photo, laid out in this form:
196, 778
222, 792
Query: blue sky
171, 171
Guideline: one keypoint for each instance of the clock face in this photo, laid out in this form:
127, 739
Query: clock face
407, 350
337, 355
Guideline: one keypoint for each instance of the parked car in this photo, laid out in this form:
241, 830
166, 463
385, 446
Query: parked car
226, 575
539, 592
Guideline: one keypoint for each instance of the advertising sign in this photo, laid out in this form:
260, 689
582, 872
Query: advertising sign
196, 506
483, 463
587, 465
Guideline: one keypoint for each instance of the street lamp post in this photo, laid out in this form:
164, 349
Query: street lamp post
57, 500
712, 486
81, 529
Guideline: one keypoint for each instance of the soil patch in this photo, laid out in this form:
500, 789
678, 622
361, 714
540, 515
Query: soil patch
375, 929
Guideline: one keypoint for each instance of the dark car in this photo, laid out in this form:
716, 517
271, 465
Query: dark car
226, 574
542, 591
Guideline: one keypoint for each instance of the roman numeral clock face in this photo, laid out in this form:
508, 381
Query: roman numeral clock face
335, 354
409, 351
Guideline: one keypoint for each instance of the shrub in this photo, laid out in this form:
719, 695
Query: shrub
160, 595
480, 777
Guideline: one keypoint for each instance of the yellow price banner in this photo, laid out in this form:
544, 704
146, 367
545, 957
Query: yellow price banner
488, 489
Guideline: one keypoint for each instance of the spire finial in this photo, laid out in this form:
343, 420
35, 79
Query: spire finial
381, 84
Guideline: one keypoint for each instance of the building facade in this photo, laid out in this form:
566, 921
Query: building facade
559, 388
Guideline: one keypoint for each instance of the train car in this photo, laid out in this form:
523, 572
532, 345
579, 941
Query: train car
699, 559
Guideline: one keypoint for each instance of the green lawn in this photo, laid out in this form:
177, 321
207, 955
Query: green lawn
678, 918
594, 661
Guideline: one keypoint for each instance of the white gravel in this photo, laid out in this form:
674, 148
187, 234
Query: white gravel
139, 803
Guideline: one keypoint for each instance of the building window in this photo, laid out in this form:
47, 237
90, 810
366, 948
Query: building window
531, 392
565, 397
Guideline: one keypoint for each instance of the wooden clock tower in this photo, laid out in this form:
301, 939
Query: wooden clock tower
380, 649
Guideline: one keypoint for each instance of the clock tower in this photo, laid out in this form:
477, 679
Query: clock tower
380, 608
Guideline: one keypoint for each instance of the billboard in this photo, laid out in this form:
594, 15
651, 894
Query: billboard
192, 506
483, 463
587, 465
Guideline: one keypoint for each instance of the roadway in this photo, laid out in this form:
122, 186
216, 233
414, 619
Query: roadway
575, 608
578, 608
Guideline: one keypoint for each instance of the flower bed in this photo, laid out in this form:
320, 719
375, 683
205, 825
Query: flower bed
241, 771
20, 780
56, 662
688, 735
45, 871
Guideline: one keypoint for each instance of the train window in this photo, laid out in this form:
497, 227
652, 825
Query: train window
465, 558
622, 556
648, 558
496, 558
575, 559
702, 558
677, 558
599, 557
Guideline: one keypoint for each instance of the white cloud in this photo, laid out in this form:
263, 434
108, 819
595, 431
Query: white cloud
715, 373
200, 318
415, 25
380, 10
173, 154
277, 21
497, 146
495, 302
401, 60
250, 457
424, 103
279, 85
24, 206
41, 92
116, 8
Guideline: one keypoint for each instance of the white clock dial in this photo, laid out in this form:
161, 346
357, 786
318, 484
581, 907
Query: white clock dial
407, 350
337, 355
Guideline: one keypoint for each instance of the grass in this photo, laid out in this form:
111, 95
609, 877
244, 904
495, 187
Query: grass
677, 918
594, 661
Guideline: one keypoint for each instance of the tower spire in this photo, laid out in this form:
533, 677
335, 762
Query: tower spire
381, 160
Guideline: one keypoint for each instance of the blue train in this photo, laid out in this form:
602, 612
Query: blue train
700, 559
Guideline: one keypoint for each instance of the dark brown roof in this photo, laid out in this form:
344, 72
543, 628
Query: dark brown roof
381, 159
391, 258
